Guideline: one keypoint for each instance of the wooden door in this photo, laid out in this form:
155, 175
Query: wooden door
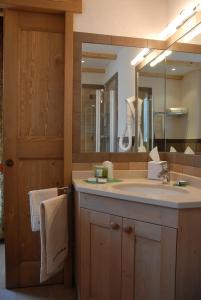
148, 261
100, 256
34, 55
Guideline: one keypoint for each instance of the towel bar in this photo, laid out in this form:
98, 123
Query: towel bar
64, 190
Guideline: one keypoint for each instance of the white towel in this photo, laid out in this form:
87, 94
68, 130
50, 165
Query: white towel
35, 199
54, 236
172, 149
189, 150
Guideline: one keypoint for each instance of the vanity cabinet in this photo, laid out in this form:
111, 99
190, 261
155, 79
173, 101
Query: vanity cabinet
125, 259
101, 236
134, 251
148, 261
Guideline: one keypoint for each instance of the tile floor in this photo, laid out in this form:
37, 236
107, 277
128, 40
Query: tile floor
57, 292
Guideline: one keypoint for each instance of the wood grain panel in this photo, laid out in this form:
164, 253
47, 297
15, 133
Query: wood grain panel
44, 5
147, 275
29, 274
34, 131
41, 78
188, 255
10, 174
132, 210
40, 22
183, 47
98, 55
148, 261
68, 98
40, 148
168, 263
128, 260
101, 256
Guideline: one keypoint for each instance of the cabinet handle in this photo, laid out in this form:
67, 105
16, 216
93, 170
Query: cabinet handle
114, 226
128, 229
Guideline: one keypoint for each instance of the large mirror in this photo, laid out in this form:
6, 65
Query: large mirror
183, 113
108, 98
151, 92
175, 95
120, 107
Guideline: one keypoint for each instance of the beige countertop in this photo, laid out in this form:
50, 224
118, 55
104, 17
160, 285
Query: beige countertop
157, 193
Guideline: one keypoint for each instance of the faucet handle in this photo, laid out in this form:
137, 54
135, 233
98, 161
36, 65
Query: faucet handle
164, 173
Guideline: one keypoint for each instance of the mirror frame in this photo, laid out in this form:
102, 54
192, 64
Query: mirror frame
170, 43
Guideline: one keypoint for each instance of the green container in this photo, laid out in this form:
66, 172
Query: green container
100, 172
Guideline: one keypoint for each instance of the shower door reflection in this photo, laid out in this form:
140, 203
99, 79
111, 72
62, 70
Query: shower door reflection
99, 121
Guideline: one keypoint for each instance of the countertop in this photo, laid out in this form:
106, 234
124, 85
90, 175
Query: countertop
189, 197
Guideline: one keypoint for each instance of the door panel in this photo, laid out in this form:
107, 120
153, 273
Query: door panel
41, 99
148, 261
101, 256
33, 130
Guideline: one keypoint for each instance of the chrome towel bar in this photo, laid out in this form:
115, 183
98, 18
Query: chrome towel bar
64, 190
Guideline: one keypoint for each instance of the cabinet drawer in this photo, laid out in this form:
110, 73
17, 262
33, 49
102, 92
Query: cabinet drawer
132, 210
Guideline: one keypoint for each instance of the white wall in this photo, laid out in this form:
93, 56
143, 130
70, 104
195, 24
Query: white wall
191, 98
93, 78
181, 93
132, 18
158, 89
174, 125
126, 81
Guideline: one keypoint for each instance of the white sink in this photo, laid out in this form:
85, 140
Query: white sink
152, 190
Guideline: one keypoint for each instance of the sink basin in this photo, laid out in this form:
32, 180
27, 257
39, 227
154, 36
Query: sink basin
150, 189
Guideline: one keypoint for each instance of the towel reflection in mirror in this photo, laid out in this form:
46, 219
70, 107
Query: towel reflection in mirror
130, 126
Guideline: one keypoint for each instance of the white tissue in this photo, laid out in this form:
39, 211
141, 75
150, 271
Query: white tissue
172, 149
154, 154
189, 151
142, 149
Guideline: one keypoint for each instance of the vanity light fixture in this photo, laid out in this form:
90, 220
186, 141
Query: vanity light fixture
140, 56
184, 15
192, 34
173, 69
160, 58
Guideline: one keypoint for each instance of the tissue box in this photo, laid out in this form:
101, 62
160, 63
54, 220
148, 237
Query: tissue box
154, 169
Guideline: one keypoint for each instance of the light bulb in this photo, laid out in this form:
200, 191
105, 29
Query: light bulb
140, 56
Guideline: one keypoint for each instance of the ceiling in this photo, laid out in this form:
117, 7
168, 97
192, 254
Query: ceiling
98, 48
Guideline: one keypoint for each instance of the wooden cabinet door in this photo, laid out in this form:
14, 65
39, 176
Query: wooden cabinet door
148, 261
34, 64
100, 256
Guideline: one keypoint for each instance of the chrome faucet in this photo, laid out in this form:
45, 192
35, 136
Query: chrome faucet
164, 174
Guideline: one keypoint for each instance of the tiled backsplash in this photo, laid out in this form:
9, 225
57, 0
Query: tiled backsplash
184, 169
117, 166
179, 168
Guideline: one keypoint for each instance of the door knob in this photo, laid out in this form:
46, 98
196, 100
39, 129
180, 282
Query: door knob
114, 226
9, 162
128, 229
